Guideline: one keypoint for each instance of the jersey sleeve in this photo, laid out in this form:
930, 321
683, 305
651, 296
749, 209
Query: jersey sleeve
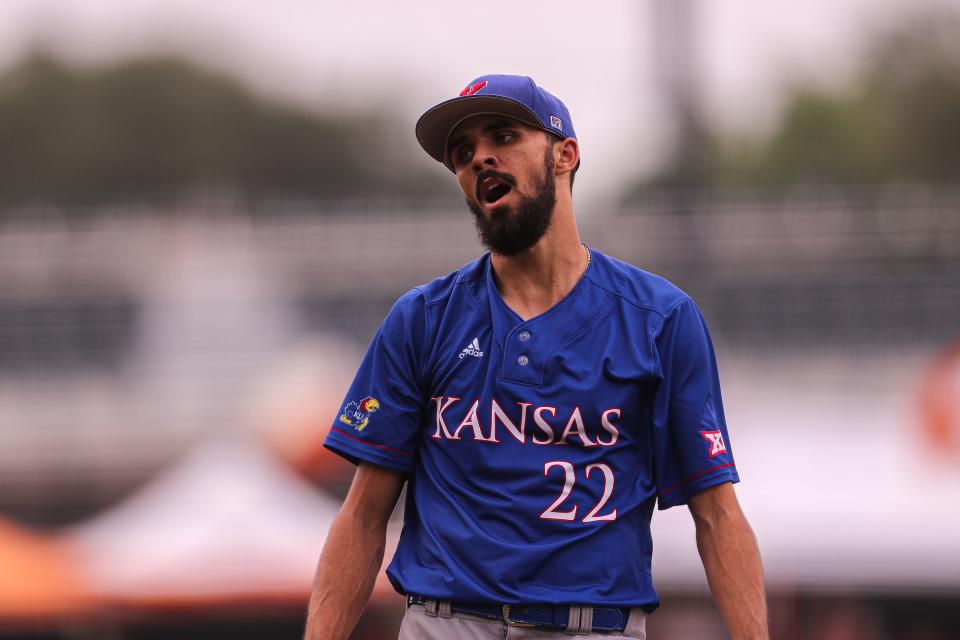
380, 417
691, 448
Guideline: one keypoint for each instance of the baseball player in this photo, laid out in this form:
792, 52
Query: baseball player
538, 402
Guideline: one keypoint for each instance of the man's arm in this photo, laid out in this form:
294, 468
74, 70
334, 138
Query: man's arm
731, 560
352, 554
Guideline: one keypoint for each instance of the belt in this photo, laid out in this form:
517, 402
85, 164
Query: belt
537, 615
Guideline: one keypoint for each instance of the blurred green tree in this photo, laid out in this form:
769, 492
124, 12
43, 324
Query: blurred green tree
898, 122
155, 129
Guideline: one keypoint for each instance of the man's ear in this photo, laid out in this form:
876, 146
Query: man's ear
566, 156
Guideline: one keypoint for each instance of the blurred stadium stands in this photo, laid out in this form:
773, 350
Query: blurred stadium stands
874, 269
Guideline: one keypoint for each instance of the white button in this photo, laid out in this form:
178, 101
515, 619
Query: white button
524, 336
523, 360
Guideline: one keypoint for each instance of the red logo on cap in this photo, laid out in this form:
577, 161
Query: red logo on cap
470, 90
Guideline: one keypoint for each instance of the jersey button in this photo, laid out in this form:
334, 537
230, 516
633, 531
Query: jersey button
523, 361
524, 336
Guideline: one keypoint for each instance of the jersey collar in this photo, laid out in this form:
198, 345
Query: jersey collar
526, 347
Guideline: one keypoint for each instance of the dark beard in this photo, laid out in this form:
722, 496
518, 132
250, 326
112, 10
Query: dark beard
507, 232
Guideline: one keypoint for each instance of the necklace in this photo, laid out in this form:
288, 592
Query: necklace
587, 249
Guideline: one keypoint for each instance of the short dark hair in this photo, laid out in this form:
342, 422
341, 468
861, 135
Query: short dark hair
555, 140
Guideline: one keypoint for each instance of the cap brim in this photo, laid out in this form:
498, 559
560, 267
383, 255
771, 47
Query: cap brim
434, 127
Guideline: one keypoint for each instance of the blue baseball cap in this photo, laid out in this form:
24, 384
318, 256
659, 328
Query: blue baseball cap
516, 97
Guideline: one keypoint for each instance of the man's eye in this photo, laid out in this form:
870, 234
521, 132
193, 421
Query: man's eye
504, 136
462, 154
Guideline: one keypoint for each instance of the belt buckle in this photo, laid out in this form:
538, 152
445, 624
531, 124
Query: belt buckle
516, 623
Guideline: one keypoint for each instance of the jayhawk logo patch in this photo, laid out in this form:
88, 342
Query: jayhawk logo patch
357, 414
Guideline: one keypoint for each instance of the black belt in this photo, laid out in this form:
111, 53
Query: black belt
537, 615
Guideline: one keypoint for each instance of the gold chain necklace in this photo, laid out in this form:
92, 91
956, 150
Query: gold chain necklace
587, 249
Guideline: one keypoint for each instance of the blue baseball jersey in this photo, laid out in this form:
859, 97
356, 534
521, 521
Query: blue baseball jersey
537, 449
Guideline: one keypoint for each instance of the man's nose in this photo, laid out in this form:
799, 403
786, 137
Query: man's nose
484, 157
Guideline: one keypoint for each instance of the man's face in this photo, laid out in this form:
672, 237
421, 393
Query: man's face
506, 172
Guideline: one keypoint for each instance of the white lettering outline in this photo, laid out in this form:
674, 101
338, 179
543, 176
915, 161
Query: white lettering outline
608, 483
550, 513
544, 426
610, 428
441, 424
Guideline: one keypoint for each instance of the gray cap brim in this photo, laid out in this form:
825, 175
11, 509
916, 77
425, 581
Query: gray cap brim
434, 127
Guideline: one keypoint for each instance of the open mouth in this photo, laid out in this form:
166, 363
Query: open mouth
492, 190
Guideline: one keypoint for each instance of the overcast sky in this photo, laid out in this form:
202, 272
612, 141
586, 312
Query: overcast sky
598, 57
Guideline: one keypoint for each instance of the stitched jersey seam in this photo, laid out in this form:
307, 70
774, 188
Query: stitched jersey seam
638, 305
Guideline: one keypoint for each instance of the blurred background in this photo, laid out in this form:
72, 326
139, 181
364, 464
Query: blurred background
207, 208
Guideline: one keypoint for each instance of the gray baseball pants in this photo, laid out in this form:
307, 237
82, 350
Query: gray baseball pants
447, 625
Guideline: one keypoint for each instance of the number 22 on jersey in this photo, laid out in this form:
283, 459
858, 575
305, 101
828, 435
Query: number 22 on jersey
553, 512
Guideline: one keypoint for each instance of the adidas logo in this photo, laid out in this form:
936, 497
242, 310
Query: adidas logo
472, 349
